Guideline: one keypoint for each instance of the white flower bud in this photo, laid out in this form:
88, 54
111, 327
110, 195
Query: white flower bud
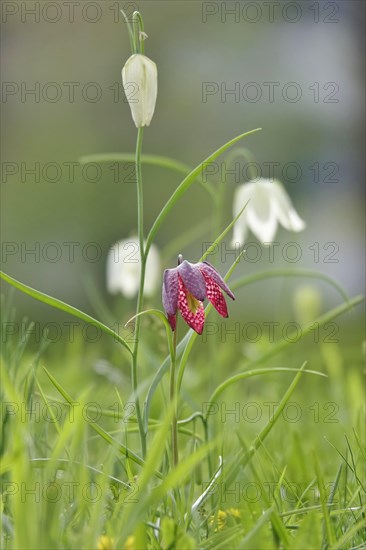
140, 82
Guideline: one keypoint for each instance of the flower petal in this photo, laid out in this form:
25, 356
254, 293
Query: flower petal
209, 271
193, 279
261, 214
240, 231
172, 319
241, 197
264, 230
284, 209
215, 295
123, 268
242, 194
193, 316
153, 271
170, 291
140, 82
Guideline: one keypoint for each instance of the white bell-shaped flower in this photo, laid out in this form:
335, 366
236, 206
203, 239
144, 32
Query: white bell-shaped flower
268, 205
140, 82
124, 269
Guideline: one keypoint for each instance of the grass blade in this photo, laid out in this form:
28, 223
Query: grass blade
163, 369
105, 435
240, 461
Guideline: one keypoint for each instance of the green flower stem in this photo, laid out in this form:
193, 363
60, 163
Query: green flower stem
140, 198
172, 399
140, 230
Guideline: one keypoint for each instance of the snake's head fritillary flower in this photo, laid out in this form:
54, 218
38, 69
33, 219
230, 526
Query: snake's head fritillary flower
186, 286
140, 82
268, 204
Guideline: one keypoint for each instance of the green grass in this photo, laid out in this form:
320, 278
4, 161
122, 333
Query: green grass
292, 448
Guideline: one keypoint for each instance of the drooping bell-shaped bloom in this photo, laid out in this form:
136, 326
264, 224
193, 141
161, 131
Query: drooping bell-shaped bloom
268, 204
140, 82
124, 268
186, 286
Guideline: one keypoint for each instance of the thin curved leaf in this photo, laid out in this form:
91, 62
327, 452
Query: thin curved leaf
289, 273
222, 235
58, 304
186, 183
255, 372
152, 160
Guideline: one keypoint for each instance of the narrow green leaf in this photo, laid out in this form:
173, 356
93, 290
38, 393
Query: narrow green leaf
185, 185
256, 277
343, 541
276, 520
323, 501
152, 160
255, 372
58, 304
175, 478
262, 522
156, 450
160, 315
50, 410
240, 461
222, 235
64, 464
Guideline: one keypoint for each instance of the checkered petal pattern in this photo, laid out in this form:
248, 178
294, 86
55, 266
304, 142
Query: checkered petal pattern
184, 289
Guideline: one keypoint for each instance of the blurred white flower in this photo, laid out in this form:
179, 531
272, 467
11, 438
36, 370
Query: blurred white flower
140, 82
268, 204
123, 269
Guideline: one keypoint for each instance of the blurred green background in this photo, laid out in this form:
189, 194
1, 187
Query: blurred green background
193, 43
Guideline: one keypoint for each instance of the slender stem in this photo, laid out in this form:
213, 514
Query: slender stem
140, 199
140, 230
172, 398
207, 438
